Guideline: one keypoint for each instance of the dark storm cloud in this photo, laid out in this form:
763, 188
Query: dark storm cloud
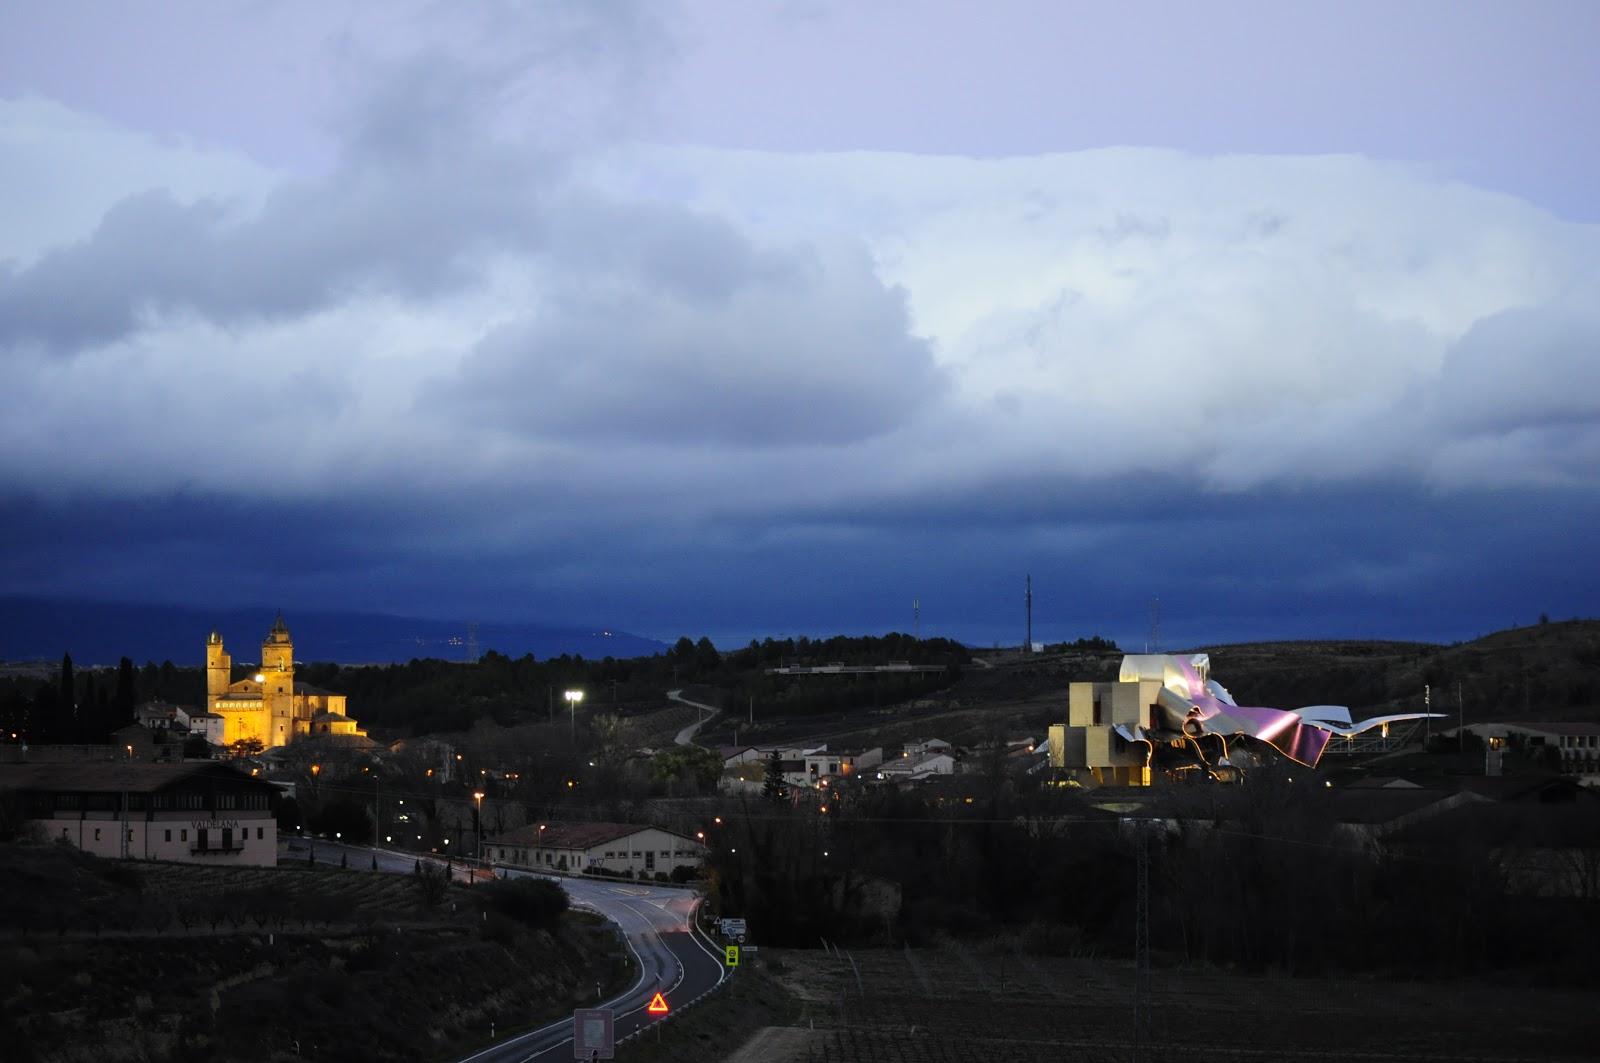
1395, 562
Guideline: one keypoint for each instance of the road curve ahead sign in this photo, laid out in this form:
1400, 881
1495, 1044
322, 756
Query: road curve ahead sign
658, 1005
592, 1034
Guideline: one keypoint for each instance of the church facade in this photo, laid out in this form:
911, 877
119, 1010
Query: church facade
270, 706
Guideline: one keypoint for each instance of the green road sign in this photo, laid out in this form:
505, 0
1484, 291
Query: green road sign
731, 957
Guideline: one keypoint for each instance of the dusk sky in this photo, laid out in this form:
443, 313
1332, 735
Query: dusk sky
764, 319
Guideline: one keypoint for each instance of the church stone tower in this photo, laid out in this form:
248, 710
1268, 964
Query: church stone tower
219, 670
277, 683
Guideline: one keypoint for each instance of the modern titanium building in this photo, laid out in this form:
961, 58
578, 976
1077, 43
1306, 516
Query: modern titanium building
269, 705
1166, 713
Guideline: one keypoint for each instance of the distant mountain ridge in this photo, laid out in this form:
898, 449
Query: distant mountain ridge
103, 632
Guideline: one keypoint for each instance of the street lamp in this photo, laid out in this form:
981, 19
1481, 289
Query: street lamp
477, 795
573, 697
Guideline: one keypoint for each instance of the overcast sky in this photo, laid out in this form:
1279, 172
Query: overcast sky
770, 319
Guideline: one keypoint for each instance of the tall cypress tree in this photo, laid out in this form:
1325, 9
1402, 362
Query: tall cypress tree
65, 727
122, 703
773, 788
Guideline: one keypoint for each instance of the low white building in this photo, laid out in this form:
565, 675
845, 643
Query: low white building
822, 764
198, 812
631, 849
918, 747
910, 768
207, 725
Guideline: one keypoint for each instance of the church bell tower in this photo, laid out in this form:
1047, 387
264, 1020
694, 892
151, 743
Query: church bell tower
277, 683
219, 670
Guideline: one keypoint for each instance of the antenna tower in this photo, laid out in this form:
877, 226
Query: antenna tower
916, 618
1027, 647
472, 642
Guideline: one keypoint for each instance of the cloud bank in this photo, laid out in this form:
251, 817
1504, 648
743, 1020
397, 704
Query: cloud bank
724, 358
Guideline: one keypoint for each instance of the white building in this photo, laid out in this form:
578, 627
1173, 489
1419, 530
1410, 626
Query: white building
207, 725
1575, 745
821, 764
630, 849
909, 768
191, 812
918, 747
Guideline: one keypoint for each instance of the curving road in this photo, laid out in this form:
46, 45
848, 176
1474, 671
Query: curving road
674, 959
657, 923
711, 712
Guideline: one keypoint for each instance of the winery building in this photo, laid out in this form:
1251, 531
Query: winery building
197, 812
630, 849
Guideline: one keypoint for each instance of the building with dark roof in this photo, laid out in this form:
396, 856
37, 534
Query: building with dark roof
194, 812
633, 850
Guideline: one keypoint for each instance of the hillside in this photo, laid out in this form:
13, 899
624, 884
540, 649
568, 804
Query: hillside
38, 629
1545, 672
112, 960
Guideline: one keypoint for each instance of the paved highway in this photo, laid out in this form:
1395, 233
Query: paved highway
657, 922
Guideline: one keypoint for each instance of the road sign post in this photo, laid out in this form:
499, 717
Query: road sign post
730, 955
593, 1035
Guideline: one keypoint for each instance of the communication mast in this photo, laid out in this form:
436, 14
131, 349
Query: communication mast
916, 618
1027, 647
472, 642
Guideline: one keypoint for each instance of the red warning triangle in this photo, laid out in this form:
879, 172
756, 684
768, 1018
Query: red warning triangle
658, 1005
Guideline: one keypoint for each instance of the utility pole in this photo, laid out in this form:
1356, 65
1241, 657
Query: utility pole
916, 619
1427, 721
1141, 946
1461, 718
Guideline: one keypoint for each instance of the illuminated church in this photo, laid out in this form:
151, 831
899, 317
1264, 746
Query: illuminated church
269, 705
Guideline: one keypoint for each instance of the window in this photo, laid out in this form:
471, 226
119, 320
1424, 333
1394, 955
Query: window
64, 832
97, 834
130, 834
665, 853
168, 837
183, 835
261, 834
225, 801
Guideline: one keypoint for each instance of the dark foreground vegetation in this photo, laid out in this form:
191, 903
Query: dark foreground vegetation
108, 960
1255, 878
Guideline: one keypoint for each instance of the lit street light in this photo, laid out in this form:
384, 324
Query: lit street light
573, 697
478, 818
